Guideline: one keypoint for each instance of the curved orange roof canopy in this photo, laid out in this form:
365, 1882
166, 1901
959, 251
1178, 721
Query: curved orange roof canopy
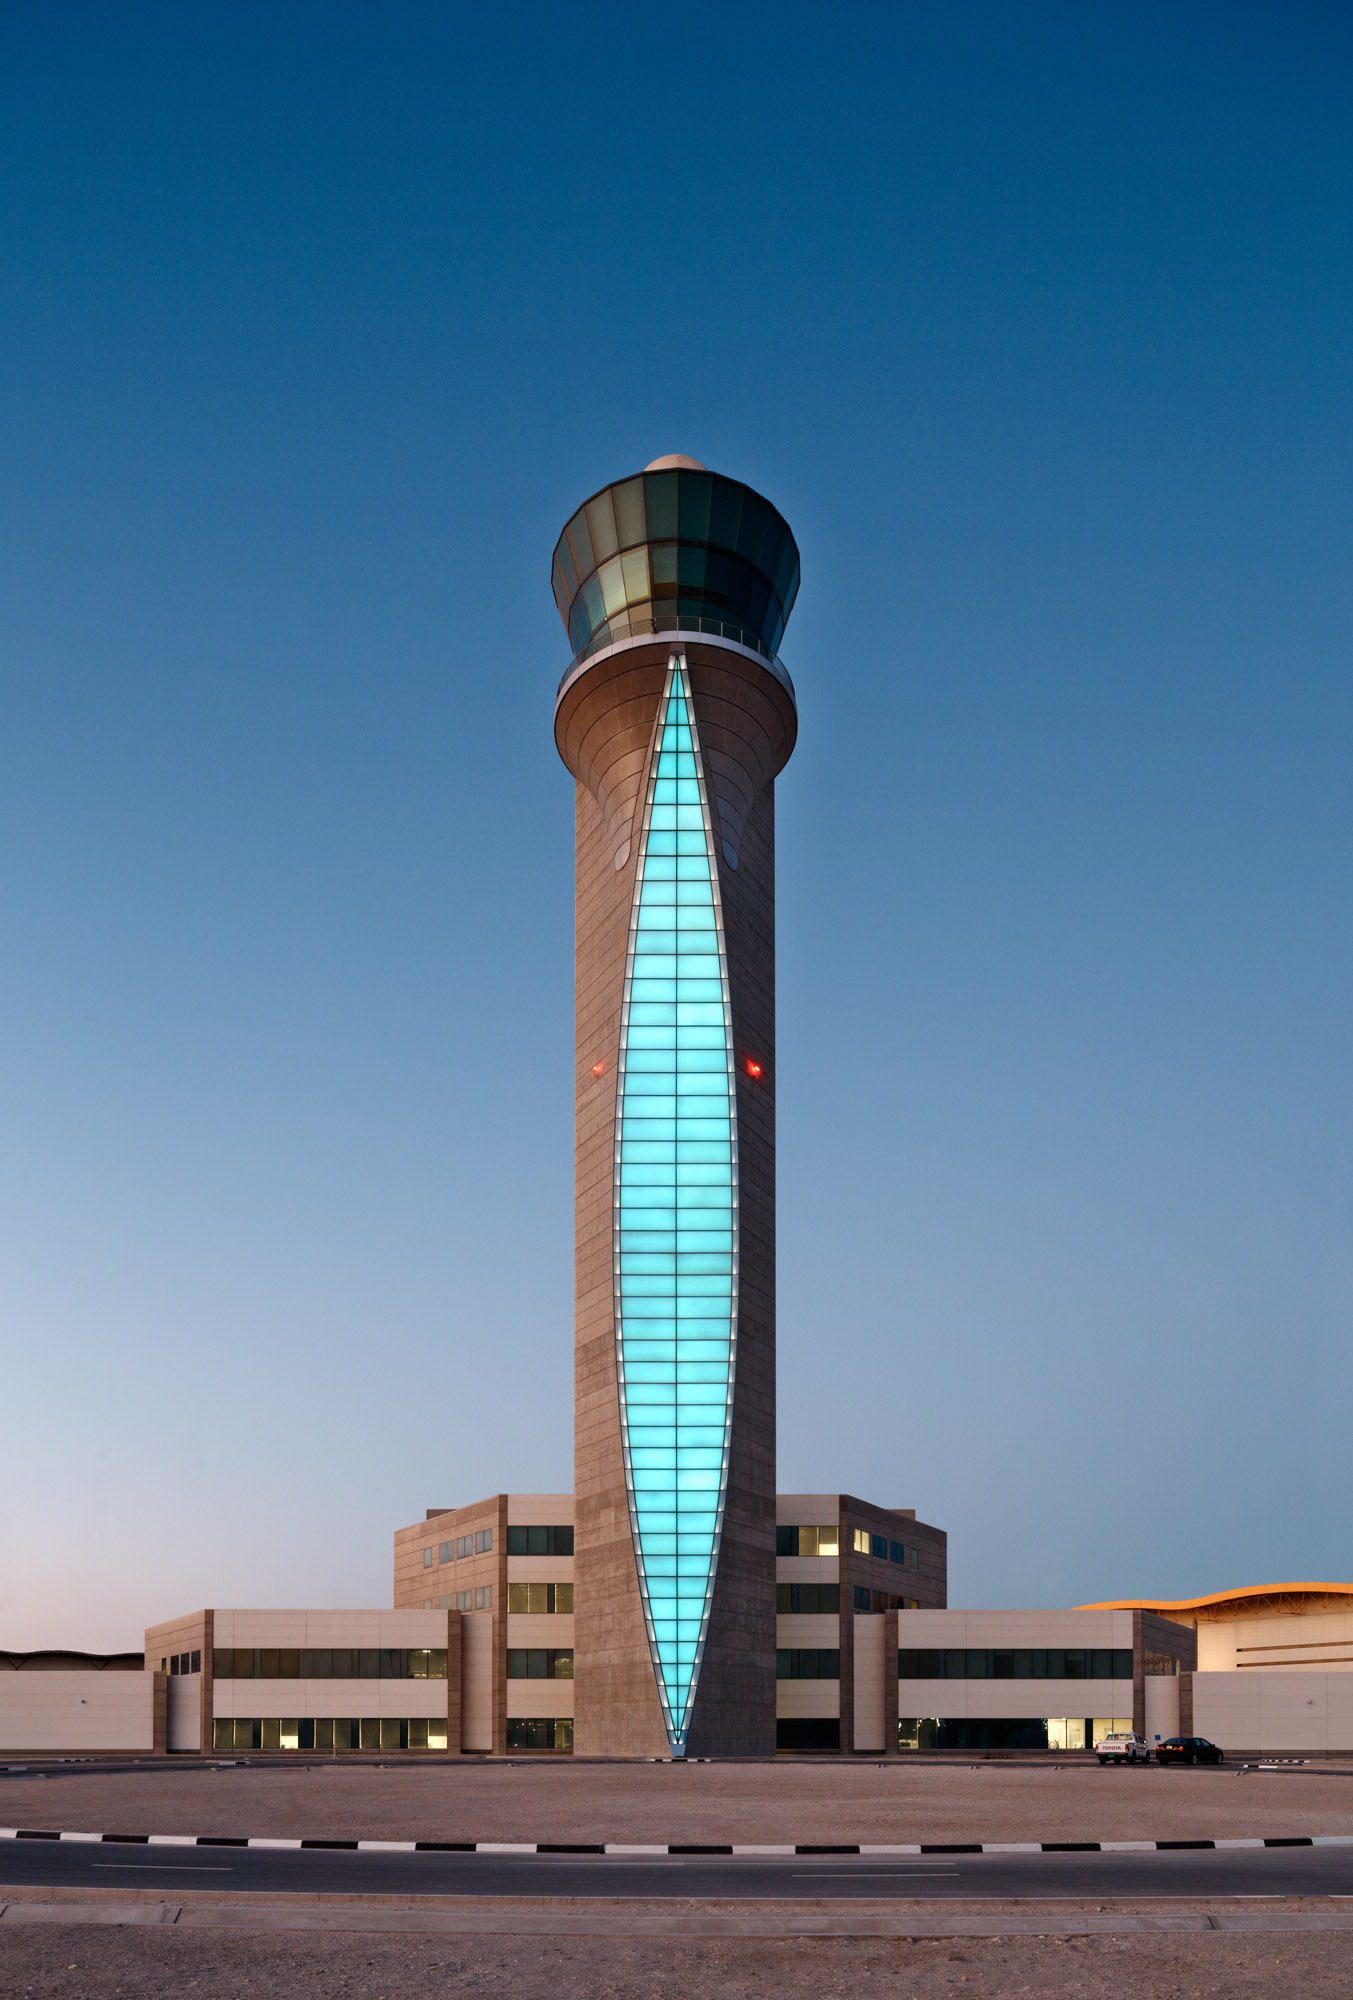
1214, 1600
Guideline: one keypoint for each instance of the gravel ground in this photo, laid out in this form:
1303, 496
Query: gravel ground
57, 1962
701, 1802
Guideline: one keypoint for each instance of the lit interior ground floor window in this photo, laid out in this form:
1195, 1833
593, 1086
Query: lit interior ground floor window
368, 1732
540, 1732
1005, 1732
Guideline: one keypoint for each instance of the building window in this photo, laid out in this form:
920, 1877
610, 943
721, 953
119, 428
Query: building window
808, 1732
807, 1597
860, 1541
539, 1732
536, 1598
271, 1732
540, 1541
446, 1552
483, 1541
808, 1663
1159, 1663
915, 1604
428, 1557
878, 1547
807, 1541
539, 1663
427, 1604
465, 1600
897, 1552
324, 1663
464, 1546
986, 1663
483, 1597
916, 1558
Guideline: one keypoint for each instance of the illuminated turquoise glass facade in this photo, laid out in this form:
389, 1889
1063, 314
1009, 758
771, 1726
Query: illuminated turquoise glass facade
676, 1211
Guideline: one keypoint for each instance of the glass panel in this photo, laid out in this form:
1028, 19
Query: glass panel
289, 1733
693, 498
751, 528
437, 1732
660, 504
612, 582
675, 1400
567, 570
581, 543
601, 527
724, 510
634, 569
628, 501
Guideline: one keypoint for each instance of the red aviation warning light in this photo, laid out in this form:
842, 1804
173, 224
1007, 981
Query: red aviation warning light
597, 1068
752, 1068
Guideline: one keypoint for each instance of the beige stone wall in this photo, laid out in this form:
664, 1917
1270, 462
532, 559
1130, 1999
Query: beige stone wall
74, 1711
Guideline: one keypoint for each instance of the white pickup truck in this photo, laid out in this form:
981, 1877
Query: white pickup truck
1122, 1746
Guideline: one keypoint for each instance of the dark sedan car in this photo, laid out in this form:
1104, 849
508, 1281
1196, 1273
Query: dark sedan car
1188, 1750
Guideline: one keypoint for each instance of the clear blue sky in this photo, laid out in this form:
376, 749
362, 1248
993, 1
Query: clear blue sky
1036, 322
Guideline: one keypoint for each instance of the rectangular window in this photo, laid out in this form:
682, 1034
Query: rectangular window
483, 1598
807, 1597
808, 1732
897, 1552
464, 1546
536, 1599
878, 1546
540, 1541
861, 1598
808, 1663
916, 1558
427, 1663
446, 1552
860, 1541
429, 1557
447, 1603
795, 1541
539, 1663
1019, 1663
539, 1732
929, 1732
483, 1541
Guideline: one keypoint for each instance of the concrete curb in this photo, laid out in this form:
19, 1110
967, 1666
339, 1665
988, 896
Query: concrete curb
543, 1918
676, 1847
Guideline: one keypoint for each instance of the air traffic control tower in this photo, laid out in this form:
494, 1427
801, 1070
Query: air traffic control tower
675, 717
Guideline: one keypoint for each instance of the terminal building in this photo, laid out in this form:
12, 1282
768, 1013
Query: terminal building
674, 1603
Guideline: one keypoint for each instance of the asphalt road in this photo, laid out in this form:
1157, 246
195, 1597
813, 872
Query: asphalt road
1298, 1871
